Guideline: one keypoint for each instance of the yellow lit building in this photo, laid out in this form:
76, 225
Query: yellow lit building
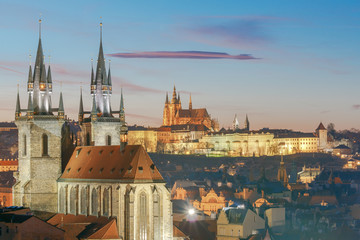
235, 223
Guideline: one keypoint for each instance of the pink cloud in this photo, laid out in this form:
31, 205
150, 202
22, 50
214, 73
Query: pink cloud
183, 55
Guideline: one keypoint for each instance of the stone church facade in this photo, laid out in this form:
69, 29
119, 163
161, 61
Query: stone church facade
103, 177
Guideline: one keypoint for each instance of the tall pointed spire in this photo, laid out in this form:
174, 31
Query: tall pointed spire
100, 76
109, 75
18, 109
190, 103
247, 124
174, 95
61, 107
167, 98
30, 80
94, 110
30, 109
81, 106
121, 102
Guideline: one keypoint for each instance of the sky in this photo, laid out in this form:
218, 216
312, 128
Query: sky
286, 64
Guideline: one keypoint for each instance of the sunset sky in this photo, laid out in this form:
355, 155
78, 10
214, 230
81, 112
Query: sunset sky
287, 64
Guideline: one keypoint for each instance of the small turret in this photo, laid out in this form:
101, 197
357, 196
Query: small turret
174, 96
122, 109
93, 83
18, 109
94, 110
30, 109
30, 80
49, 80
123, 128
167, 98
247, 123
61, 107
81, 108
190, 103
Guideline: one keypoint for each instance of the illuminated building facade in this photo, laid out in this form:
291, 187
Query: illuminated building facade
174, 114
101, 127
40, 141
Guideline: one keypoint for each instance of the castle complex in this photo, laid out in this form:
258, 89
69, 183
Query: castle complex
104, 176
174, 114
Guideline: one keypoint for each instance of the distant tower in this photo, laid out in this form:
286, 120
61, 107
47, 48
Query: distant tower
171, 109
190, 103
235, 123
247, 123
321, 133
282, 176
40, 141
101, 127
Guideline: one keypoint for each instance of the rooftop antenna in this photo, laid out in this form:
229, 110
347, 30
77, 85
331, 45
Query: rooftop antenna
101, 29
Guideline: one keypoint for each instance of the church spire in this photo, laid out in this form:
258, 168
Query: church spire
190, 103
122, 108
174, 95
18, 109
167, 98
30, 109
81, 108
247, 124
109, 76
100, 76
61, 107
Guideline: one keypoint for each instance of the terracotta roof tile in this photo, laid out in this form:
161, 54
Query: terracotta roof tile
108, 162
109, 231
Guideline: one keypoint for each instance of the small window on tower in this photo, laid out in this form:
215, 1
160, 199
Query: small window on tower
44, 145
108, 140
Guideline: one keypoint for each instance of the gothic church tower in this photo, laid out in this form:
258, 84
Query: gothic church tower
101, 127
40, 141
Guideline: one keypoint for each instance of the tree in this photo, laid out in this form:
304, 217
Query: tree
331, 129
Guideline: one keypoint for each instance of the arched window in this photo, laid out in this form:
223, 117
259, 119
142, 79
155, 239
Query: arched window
62, 200
143, 217
87, 139
84, 201
94, 202
24, 145
108, 140
106, 202
44, 145
73, 201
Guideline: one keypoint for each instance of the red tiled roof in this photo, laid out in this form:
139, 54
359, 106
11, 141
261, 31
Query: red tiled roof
108, 162
196, 113
109, 231
81, 226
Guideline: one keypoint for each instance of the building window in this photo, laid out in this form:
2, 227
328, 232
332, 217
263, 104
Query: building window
94, 202
87, 139
84, 201
106, 202
24, 145
44, 145
143, 217
108, 140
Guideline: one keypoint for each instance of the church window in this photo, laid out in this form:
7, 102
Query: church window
24, 145
84, 201
62, 200
106, 202
44, 145
73, 200
94, 202
108, 140
143, 217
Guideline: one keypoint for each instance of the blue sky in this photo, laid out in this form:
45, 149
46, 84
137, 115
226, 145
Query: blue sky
302, 65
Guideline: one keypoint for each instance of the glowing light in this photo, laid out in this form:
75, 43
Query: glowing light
191, 211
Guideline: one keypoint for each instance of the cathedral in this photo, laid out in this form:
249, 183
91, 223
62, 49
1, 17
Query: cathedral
174, 114
104, 176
